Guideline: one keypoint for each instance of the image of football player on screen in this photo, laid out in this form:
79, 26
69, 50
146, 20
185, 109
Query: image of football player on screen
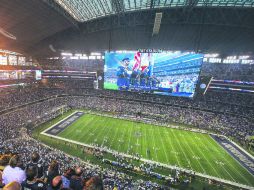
123, 74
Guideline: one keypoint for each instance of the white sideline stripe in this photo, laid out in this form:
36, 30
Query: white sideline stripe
212, 165
158, 163
43, 132
145, 160
183, 128
55, 149
233, 158
252, 157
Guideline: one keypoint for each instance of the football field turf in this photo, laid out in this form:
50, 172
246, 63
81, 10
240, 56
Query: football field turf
110, 86
185, 149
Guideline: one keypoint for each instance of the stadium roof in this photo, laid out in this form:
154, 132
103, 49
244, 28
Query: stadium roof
39, 27
84, 10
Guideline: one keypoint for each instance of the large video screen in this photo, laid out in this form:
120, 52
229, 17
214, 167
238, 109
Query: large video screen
165, 73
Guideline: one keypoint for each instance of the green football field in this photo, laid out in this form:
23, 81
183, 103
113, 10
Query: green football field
186, 149
110, 86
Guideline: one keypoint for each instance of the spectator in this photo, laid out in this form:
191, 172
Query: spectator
12, 186
31, 183
77, 180
56, 183
95, 183
13, 171
66, 177
4, 160
37, 162
52, 172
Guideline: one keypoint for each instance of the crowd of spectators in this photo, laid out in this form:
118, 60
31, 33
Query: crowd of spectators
226, 124
52, 169
219, 102
230, 114
233, 71
26, 94
71, 64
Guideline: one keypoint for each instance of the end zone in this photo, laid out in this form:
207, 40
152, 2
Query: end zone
63, 124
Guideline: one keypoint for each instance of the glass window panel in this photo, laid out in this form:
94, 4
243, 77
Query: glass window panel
12, 60
83, 10
3, 60
21, 60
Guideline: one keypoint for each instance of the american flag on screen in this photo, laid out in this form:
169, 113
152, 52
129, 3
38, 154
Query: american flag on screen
137, 59
145, 61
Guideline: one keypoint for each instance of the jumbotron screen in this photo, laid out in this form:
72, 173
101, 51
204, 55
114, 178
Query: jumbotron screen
174, 74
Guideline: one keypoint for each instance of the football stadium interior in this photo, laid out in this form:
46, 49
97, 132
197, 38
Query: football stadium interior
127, 94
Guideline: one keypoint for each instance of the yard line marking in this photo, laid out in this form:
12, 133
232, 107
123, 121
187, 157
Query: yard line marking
181, 148
150, 161
189, 137
137, 142
122, 138
146, 142
224, 167
90, 121
163, 147
130, 136
232, 166
68, 131
107, 129
172, 147
94, 129
210, 163
113, 139
98, 129
154, 147
87, 127
229, 163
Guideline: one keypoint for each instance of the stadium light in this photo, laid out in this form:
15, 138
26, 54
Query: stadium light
244, 57
9, 52
74, 57
92, 57
66, 54
231, 61
157, 23
83, 57
7, 34
125, 51
247, 61
95, 53
215, 60
231, 57
211, 55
